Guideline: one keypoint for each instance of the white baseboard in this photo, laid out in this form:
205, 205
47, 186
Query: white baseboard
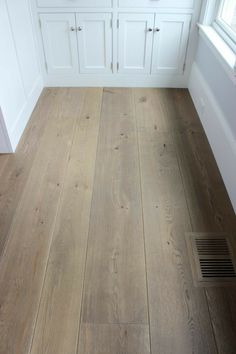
220, 136
116, 80
5, 145
25, 113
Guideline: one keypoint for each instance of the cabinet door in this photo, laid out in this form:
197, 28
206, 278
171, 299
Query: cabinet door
170, 43
94, 42
135, 43
60, 46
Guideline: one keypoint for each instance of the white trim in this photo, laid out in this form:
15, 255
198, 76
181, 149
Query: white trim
228, 34
209, 11
117, 80
220, 136
23, 117
211, 16
5, 144
221, 50
220, 30
112, 10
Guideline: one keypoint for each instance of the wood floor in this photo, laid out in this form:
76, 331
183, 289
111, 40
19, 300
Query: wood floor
94, 207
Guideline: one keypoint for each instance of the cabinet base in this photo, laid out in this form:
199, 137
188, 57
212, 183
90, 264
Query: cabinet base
117, 80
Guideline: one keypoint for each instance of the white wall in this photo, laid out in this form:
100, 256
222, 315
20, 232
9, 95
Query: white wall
21, 82
219, 83
214, 95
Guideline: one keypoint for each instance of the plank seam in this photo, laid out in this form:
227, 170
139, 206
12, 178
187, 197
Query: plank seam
191, 224
19, 202
144, 240
88, 232
55, 223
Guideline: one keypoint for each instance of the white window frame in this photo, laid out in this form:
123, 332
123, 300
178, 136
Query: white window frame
222, 28
217, 38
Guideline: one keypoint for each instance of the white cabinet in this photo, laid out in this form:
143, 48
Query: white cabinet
157, 3
171, 33
60, 44
135, 43
94, 34
83, 46
83, 39
152, 46
74, 3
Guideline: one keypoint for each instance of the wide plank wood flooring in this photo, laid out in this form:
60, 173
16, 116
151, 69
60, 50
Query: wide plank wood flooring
94, 207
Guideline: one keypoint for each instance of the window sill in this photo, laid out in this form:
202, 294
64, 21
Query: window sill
221, 50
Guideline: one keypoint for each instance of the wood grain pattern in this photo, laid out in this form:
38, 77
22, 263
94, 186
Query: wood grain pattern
93, 257
115, 339
115, 283
58, 320
210, 210
16, 169
3, 161
24, 260
179, 317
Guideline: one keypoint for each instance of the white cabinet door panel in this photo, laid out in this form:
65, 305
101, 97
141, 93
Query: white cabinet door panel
60, 43
94, 42
135, 43
170, 43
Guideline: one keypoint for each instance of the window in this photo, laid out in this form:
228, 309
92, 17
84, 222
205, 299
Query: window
225, 22
218, 28
228, 13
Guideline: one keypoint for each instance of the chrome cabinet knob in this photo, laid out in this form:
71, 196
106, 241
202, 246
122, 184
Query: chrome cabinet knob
73, 29
150, 29
80, 28
157, 29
